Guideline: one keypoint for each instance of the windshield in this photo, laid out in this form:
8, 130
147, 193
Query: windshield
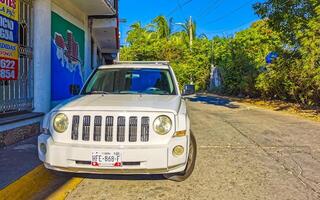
131, 81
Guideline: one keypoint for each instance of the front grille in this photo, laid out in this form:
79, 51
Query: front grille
97, 128
86, 128
133, 123
75, 128
145, 129
110, 129
121, 129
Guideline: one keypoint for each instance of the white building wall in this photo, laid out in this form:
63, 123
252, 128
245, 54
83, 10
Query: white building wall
95, 55
42, 11
70, 12
87, 49
42, 46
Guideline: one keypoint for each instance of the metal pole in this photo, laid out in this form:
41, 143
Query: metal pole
191, 31
212, 52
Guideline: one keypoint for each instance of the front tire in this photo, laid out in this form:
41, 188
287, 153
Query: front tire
182, 176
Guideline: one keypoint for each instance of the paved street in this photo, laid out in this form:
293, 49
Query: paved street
243, 153
12, 157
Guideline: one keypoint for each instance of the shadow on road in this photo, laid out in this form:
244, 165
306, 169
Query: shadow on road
120, 177
213, 100
62, 178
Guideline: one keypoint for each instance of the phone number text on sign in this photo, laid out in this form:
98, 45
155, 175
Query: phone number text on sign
8, 69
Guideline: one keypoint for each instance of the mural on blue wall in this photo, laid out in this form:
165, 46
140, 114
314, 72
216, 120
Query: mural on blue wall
67, 53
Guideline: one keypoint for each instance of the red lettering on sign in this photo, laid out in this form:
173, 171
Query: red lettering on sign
10, 3
8, 69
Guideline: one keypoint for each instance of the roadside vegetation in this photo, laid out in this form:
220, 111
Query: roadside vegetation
288, 28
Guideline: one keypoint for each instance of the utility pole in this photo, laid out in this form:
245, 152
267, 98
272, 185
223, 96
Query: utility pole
189, 25
191, 31
212, 52
212, 84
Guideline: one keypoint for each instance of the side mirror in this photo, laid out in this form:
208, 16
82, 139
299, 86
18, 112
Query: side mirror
188, 90
74, 89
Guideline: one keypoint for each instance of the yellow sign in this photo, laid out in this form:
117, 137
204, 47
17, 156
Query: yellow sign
9, 29
10, 9
8, 49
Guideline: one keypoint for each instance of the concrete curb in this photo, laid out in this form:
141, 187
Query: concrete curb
65, 189
37, 181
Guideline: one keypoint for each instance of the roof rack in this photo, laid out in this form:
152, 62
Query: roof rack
143, 62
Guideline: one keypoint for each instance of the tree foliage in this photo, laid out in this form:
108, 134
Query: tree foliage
156, 42
296, 74
290, 28
242, 57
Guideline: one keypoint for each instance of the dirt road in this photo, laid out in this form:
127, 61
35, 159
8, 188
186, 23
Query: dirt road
243, 153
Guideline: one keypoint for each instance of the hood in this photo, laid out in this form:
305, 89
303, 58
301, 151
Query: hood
108, 102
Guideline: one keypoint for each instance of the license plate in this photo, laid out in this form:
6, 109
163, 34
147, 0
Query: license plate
106, 159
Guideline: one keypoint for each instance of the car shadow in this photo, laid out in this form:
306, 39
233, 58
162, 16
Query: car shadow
120, 177
212, 100
62, 178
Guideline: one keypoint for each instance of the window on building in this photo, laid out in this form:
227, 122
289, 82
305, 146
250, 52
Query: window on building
17, 95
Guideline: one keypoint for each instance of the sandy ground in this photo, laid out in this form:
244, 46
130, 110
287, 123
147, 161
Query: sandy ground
243, 153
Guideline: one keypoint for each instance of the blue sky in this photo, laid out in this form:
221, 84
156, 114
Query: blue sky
213, 17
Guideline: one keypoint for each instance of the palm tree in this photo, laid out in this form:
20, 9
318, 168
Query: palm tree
203, 36
187, 26
193, 27
162, 27
135, 32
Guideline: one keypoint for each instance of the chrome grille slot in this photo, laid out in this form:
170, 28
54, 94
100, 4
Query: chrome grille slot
75, 128
97, 128
145, 129
121, 125
86, 128
109, 129
133, 123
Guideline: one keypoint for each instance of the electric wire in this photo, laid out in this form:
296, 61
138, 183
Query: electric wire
179, 6
216, 4
243, 25
230, 13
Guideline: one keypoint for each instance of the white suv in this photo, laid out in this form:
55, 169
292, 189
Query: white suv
129, 118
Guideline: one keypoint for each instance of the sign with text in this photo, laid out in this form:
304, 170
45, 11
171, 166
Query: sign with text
8, 69
9, 49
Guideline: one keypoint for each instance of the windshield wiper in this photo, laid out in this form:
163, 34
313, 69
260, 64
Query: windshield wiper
98, 92
128, 92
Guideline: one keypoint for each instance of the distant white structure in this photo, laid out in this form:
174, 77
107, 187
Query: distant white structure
215, 78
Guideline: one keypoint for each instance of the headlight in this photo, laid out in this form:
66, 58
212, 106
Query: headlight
60, 123
162, 125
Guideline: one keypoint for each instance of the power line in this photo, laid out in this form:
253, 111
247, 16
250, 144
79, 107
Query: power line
216, 4
179, 6
236, 10
231, 12
231, 29
207, 6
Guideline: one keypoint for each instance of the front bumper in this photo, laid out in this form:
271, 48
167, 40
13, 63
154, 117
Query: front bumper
140, 159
